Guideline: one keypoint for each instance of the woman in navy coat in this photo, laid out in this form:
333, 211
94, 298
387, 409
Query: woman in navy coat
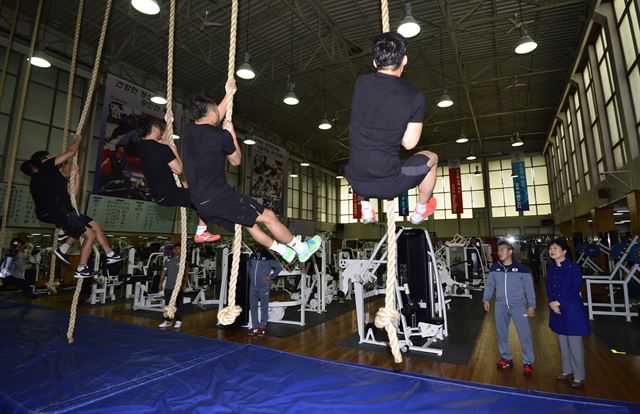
567, 317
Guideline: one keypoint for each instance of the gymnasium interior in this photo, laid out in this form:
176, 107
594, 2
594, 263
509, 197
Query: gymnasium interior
533, 110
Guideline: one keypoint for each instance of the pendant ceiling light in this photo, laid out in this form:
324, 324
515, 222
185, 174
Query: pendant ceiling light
408, 27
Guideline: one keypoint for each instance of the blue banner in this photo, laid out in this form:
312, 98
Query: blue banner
403, 204
520, 185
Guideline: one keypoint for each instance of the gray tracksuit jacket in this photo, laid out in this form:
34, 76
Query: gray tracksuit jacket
513, 285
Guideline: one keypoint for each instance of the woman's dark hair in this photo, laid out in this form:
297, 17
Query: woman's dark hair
38, 156
388, 50
563, 245
27, 167
199, 105
145, 123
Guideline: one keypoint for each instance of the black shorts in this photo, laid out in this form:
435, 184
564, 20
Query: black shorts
412, 172
174, 197
70, 221
229, 208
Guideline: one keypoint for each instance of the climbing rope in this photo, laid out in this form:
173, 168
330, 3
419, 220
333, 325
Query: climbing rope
228, 315
7, 54
65, 134
388, 314
170, 309
18, 129
81, 125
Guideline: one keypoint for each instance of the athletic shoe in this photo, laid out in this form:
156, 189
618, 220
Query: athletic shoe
259, 333
206, 237
313, 245
252, 332
369, 216
417, 218
165, 324
62, 256
290, 255
178, 324
504, 363
117, 257
563, 377
84, 273
527, 369
61, 235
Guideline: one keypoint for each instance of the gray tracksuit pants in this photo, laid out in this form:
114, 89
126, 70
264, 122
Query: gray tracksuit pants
259, 294
518, 313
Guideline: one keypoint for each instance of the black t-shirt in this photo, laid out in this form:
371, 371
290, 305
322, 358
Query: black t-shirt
381, 108
155, 158
205, 150
49, 188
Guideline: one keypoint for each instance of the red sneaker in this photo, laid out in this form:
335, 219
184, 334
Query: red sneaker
504, 363
417, 218
259, 333
206, 237
527, 369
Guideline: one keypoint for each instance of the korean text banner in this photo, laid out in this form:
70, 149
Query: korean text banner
520, 185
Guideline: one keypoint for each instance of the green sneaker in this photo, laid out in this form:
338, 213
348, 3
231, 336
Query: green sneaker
313, 245
290, 255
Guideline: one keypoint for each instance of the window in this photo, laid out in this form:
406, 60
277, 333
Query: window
611, 107
326, 197
293, 190
582, 143
593, 118
346, 203
628, 15
503, 202
306, 194
472, 192
574, 158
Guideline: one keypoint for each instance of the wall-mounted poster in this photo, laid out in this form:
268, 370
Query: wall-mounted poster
118, 169
267, 176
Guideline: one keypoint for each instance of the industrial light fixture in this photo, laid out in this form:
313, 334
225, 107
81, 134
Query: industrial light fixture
291, 98
304, 164
462, 139
146, 6
445, 100
249, 141
618, 213
175, 136
245, 71
471, 157
526, 44
516, 141
622, 211
325, 123
477, 172
408, 27
293, 175
159, 99
339, 177
39, 57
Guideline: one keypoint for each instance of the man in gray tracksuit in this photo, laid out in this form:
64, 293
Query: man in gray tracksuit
515, 299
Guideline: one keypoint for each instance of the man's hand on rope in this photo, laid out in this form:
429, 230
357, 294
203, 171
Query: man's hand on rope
76, 142
168, 117
230, 87
228, 125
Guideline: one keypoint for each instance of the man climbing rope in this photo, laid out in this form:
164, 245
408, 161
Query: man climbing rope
160, 160
387, 113
205, 148
53, 205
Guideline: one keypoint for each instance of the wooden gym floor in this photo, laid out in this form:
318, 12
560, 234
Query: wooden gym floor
608, 376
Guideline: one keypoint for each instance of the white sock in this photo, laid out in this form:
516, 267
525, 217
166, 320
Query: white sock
201, 230
279, 248
64, 248
366, 204
298, 246
421, 208
81, 266
110, 253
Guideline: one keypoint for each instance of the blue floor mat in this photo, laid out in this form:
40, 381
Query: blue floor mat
118, 368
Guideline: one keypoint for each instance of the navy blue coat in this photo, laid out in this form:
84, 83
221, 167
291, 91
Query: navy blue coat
564, 283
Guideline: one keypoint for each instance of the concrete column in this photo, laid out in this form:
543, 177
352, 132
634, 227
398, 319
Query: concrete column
633, 202
603, 220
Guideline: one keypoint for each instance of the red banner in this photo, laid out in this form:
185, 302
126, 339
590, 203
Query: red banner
357, 206
455, 185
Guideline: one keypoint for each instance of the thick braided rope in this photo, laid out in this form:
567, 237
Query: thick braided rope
228, 315
7, 55
388, 314
18, 132
170, 308
81, 124
65, 134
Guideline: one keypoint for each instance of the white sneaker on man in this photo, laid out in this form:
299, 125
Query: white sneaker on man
165, 324
178, 324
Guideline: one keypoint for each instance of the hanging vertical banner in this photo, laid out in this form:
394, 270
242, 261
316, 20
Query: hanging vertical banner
267, 175
455, 186
520, 185
357, 206
403, 204
118, 169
